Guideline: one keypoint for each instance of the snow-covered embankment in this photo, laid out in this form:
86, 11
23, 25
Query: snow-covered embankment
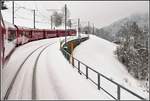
99, 55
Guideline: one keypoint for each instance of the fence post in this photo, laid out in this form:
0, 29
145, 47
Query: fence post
98, 75
86, 72
65, 52
66, 55
79, 67
73, 61
118, 92
69, 57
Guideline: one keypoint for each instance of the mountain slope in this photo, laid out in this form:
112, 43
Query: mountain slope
99, 55
110, 32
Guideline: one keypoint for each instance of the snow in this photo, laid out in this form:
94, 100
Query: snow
99, 55
55, 77
15, 61
63, 81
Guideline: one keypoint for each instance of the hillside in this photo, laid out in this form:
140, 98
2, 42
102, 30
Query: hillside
99, 55
110, 32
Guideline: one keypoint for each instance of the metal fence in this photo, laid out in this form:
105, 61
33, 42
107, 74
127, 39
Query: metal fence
98, 78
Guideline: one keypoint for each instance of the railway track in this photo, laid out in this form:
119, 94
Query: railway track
34, 72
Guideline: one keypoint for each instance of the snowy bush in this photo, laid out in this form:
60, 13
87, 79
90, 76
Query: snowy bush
133, 51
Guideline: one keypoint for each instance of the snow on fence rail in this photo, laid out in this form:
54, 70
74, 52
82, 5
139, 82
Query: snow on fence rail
99, 76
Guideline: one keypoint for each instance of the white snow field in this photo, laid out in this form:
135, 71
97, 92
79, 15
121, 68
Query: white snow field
98, 54
54, 76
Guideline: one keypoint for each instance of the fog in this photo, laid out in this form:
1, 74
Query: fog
99, 13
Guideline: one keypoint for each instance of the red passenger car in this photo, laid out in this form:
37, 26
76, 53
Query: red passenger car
50, 33
37, 34
13, 36
60, 33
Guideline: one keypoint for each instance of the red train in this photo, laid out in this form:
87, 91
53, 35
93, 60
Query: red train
24, 35
21, 35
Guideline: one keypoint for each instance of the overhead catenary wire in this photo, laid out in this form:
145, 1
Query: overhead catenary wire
40, 16
18, 7
38, 12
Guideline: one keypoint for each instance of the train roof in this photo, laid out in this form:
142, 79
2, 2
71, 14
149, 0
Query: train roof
9, 25
23, 28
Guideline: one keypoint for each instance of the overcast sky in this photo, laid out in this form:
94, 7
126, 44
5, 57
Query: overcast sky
101, 13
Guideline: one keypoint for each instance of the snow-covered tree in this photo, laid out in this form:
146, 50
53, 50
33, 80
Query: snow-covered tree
57, 18
133, 51
86, 30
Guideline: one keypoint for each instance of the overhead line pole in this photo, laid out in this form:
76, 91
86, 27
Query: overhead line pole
1, 38
34, 18
93, 29
88, 28
65, 23
51, 22
13, 12
78, 27
70, 24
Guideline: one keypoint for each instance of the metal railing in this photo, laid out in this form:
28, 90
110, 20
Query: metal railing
99, 76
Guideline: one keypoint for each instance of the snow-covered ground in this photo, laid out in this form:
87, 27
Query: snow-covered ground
99, 55
55, 77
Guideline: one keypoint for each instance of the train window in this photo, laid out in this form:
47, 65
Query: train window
27, 34
24, 33
21, 33
11, 35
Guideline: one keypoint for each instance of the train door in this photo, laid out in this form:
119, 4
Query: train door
19, 34
2, 48
44, 34
12, 34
